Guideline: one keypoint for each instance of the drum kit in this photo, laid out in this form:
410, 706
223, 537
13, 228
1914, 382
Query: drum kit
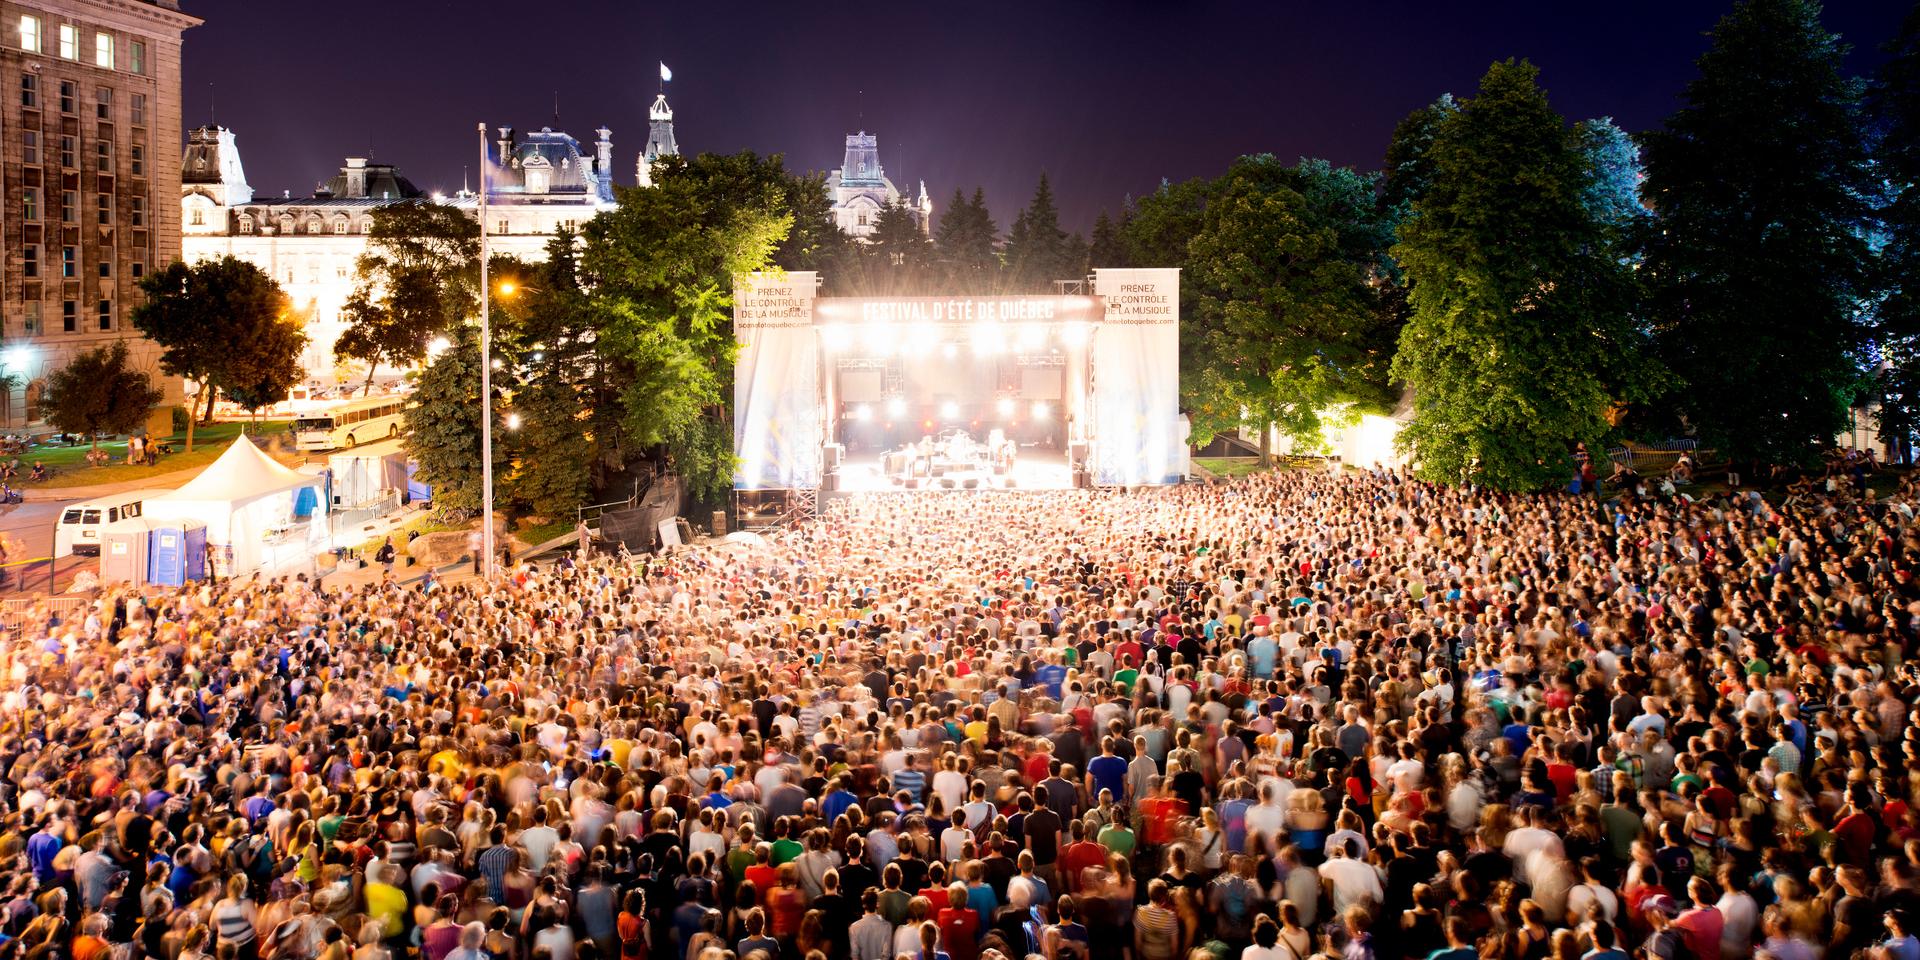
952, 460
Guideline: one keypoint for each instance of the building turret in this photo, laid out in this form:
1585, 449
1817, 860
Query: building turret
660, 142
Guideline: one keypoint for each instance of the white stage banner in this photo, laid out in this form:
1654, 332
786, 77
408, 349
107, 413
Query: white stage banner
777, 427
1136, 379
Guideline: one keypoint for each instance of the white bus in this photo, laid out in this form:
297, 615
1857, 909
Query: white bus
78, 531
362, 421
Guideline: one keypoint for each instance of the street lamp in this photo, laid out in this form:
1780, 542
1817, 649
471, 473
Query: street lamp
486, 375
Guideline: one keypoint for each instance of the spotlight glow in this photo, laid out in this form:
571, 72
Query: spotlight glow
896, 407
863, 413
513, 421
1005, 406
1040, 410
949, 409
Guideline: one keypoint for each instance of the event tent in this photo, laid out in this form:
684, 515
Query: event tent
252, 507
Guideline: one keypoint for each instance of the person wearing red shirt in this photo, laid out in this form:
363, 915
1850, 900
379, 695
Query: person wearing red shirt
959, 926
1082, 853
1161, 811
1854, 831
762, 874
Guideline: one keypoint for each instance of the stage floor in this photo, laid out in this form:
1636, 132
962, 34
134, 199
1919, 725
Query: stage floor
1034, 470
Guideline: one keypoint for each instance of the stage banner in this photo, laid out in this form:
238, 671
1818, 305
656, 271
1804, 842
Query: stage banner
777, 428
1137, 436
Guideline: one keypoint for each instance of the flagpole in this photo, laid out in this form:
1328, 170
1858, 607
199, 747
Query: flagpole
486, 377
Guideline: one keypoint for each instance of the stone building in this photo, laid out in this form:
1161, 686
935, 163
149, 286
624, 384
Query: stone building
89, 136
860, 188
539, 182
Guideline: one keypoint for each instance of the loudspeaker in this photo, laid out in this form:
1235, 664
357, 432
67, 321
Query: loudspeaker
972, 482
830, 455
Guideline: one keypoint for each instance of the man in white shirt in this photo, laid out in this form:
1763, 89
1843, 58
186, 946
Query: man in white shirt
1350, 882
1525, 841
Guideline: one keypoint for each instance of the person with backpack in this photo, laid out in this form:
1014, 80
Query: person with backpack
1233, 900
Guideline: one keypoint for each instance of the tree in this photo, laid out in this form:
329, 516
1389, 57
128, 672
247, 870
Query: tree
444, 424
98, 392
1038, 252
1107, 246
1896, 107
217, 324
1758, 265
1287, 324
418, 279
964, 238
1612, 196
273, 366
661, 268
1521, 337
568, 406
1409, 169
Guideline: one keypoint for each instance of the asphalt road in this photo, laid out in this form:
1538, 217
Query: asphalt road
28, 529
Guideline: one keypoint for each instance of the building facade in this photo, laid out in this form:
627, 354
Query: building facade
89, 133
860, 189
537, 184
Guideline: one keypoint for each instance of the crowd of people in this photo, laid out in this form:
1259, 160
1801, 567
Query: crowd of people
1295, 716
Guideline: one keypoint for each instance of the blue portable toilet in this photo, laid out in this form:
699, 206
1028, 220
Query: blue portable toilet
177, 552
417, 492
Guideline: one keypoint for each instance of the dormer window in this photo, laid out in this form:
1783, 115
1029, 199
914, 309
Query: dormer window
246, 224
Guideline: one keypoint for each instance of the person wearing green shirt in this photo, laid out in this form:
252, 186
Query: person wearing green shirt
1118, 838
787, 848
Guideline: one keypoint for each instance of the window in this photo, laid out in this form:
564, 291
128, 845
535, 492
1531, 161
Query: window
69, 206
138, 160
29, 90
340, 225
30, 260
139, 211
103, 49
139, 270
103, 104
68, 257
246, 224
69, 315
199, 218
33, 318
30, 34
69, 42
30, 204
106, 268
503, 228
106, 314
137, 56
137, 108
69, 146
30, 146
103, 209
102, 156
66, 96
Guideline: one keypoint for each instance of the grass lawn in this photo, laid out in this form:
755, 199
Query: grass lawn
1229, 467
534, 536
67, 466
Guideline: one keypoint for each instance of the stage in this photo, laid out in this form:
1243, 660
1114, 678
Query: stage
1031, 470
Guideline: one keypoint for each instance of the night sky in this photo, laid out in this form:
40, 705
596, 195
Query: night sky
1106, 98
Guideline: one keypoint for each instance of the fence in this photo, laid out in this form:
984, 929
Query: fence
15, 614
1654, 459
344, 519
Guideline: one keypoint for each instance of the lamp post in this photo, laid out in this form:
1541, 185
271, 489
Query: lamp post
486, 378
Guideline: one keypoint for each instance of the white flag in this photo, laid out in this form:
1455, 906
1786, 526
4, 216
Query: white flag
665, 74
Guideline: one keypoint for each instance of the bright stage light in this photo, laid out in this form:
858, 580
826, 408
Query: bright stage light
921, 339
876, 338
987, 339
1074, 334
896, 407
838, 336
1040, 410
863, 413
949, 350
1033, 337
1005, 406
949, 409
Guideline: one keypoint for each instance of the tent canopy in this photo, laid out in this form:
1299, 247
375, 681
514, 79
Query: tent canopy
242, 475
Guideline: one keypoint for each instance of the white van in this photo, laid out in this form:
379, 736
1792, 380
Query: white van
81, 523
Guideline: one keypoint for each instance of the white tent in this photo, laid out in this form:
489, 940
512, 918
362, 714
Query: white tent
247, 500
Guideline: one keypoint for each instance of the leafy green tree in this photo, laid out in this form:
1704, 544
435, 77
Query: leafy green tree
418, 279
1896, 107
1613, 192
1287, 324
1408, 167
99, 392
661, 267
1758, 264
217, 324
1522, 336
1164, 222
569, 407
272, 367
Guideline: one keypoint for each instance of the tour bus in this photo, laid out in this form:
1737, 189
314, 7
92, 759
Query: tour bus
78, 531
361, 421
